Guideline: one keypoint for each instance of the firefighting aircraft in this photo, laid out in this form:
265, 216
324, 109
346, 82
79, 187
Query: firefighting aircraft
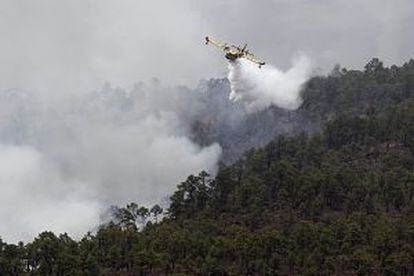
233, 52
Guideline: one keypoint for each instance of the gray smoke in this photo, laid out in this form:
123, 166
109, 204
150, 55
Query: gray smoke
62, 165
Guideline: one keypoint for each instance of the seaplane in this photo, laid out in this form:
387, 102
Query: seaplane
233, 52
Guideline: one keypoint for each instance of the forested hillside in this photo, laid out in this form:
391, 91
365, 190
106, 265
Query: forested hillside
335, 200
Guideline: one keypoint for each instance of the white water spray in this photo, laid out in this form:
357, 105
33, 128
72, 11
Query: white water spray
259, 88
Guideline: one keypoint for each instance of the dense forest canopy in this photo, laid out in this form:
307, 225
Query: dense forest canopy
335, 200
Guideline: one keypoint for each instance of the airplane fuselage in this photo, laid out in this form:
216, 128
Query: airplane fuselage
233, 55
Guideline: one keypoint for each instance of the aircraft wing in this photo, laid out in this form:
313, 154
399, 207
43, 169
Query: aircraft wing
253, 59
215, 43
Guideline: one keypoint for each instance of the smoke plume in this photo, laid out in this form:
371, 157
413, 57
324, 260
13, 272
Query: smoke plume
258, 88
63, 164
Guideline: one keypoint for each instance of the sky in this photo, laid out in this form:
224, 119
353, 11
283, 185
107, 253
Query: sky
78, 45
83, 122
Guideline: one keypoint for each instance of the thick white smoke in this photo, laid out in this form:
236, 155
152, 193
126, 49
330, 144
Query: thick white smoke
63, 164
35, 197
258, 88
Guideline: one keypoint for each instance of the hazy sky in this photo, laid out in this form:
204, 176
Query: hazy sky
79, 44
